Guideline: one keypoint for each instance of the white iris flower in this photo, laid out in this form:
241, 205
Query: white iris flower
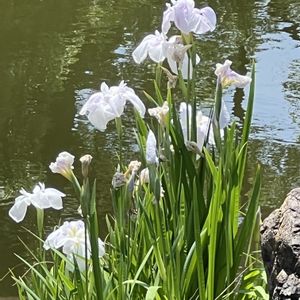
228, 77
187, 18
109, 103
203, 123
41, 198
71, 237
158, 48
63, 164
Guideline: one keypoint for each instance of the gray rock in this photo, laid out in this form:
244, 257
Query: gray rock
280, 244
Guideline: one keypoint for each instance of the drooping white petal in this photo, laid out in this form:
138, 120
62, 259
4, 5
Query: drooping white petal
204, 124
156, 53
141, 51
18, 211
152, 45
136, 101
91, 103
55, 239
80, 262
186, 67
168, 17
203, 128
55, 198
172, 64
100, 117
239, 81
151, 150
185, 115
224, 118
206, 20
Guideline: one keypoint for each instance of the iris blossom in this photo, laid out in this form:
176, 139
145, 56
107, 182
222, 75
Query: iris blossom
204, 126
187, 18
41, 198
228, 77
160, 113
71, 237
109, 103
154, 46
158, 48
63, 165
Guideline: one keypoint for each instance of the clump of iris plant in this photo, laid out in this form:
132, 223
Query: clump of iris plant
175, 231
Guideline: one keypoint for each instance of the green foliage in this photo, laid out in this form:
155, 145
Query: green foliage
182, 234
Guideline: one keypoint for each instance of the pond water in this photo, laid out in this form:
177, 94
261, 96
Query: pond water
54, 54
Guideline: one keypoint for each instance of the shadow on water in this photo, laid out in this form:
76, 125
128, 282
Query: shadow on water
54, 54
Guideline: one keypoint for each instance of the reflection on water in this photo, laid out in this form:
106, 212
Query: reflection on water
54, 54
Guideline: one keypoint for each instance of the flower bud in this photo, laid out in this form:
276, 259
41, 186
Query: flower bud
85, 163
151, 151
144, 176
193, 147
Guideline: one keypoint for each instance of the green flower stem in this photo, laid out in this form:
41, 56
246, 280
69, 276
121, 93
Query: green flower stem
94, 234
85, 202
40, 228
218, 100
76, 185
40, 222
158, 72
86, 259
118, 122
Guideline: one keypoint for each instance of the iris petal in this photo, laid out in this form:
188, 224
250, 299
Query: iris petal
18, 211
140, 53
137, 102
168, 17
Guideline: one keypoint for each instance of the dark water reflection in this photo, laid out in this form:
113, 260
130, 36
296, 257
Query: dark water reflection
53, 54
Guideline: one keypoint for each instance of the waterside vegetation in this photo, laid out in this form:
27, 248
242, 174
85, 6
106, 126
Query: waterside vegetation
180, 228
